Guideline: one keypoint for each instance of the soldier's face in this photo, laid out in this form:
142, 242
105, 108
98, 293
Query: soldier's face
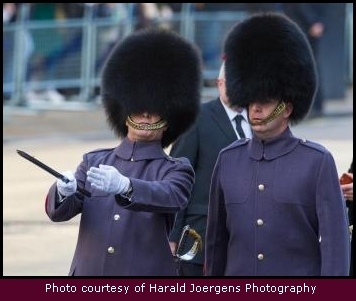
259, 112
140, 133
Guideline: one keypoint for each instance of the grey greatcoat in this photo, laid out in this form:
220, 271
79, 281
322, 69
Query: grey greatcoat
284, 215
118, 237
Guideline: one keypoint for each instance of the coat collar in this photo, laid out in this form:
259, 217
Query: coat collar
140, 150
274, 148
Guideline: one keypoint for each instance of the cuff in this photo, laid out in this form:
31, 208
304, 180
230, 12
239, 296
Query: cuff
128, 194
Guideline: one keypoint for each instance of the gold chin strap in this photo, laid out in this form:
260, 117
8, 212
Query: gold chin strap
278, 110
146, 126
197, 245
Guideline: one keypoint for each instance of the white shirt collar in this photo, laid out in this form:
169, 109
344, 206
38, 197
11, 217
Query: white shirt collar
232, 114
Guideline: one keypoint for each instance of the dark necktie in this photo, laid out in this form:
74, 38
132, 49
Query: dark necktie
238, 118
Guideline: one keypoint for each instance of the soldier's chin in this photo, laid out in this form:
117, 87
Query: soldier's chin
256, 122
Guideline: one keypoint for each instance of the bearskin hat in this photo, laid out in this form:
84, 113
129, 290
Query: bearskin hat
155, 71
267, 56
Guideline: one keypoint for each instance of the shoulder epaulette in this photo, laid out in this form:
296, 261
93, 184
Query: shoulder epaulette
313, 145
237, 143
175, 159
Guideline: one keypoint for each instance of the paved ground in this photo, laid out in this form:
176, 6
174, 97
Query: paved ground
34, 246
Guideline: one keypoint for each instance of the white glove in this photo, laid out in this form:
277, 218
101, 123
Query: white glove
66, 189
108, 179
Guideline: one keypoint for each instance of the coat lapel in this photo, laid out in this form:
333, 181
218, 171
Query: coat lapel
222, 120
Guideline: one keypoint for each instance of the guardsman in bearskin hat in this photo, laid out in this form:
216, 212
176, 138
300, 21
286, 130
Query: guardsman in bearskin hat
151, 95
282, 213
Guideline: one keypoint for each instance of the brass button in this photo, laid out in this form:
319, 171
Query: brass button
259, 222
111, 250
116, 217
261, 187
260, 256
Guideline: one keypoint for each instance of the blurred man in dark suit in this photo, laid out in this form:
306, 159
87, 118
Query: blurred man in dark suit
214, 129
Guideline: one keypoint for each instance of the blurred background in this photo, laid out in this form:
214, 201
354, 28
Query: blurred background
53, 54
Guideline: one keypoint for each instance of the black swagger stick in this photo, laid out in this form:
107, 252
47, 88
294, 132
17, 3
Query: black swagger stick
50, 170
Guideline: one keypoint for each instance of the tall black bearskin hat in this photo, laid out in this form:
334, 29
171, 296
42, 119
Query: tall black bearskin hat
154, 71
268, 57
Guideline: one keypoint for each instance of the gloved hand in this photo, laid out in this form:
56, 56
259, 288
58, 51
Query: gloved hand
67, 189
108, 179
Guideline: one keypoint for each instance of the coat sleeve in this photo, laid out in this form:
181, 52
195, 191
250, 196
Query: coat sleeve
167, 195
332, 218
185, 146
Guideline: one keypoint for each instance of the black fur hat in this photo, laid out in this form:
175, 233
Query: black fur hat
268, 57
155, 71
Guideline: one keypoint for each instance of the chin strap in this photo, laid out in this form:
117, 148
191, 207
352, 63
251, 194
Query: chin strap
277, 111
197, 245
146, 126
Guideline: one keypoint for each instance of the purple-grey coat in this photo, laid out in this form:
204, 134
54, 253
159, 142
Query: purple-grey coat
122, 238
276, 209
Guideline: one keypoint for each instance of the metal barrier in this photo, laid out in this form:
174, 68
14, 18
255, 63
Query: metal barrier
51, 55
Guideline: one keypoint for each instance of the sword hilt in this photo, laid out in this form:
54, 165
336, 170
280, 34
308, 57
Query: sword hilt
197, 245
